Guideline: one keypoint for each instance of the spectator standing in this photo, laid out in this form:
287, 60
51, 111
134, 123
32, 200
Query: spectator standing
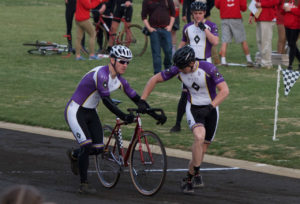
232, 27
161, 17
292, 30
176, 25
120, 8
202, 80
201, 35
102, 9
69, 14
280, 28
82, 17
264, 30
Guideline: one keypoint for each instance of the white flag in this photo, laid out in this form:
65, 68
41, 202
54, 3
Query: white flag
289, 79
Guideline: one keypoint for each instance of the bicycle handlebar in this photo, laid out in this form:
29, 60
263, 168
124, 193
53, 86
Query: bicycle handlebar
148, 110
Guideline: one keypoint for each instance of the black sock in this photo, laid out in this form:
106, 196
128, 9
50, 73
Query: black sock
196, 170
189, 176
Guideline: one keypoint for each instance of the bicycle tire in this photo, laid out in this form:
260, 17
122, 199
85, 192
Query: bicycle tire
139, 41
108, 170
148, 176
43, 52
39, 44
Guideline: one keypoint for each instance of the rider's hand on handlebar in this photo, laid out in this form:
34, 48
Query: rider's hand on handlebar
143, 106
129, 118
161, 119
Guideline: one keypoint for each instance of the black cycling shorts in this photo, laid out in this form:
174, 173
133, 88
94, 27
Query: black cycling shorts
195, 116
121, 11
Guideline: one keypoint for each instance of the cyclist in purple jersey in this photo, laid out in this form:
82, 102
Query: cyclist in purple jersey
201, 35
81, 114
201, 79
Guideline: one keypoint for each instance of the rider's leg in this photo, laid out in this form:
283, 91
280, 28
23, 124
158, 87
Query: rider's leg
113, 31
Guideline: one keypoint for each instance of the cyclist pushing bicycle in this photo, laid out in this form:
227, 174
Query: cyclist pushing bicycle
81, 114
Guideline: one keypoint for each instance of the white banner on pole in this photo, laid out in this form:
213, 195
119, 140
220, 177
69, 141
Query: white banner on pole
276, 103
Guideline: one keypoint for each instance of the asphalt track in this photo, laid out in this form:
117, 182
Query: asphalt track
39, 160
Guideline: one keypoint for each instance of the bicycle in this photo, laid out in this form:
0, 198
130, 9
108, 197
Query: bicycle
136, 40
145, 156
46, 48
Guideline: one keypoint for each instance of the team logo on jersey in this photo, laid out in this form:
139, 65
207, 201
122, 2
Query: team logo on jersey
105, 84
78, 135
195, 86
167, 71
217, 74
196, 39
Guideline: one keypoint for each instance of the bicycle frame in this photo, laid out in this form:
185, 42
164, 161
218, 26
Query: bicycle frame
137, 133
113, 35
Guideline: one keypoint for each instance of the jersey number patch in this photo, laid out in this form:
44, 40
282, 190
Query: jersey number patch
195, 86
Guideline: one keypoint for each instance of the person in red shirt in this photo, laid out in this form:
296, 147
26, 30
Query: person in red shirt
264, 30
292, 30
82, 18
232, 26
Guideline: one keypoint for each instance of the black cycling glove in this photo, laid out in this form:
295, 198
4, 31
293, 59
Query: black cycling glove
201, 26
143, 106
161, 119
129, 118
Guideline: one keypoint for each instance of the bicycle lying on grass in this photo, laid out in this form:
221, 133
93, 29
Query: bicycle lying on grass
47, 48
145, 156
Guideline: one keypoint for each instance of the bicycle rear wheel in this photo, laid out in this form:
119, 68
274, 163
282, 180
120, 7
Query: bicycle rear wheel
43, 52
138, 42
108, 170
148, 167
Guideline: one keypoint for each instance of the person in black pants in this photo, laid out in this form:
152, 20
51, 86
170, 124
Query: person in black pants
292, 30
102, 9
69, 14
292, 37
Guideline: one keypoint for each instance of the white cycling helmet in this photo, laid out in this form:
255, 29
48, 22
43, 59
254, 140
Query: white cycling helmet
120, 51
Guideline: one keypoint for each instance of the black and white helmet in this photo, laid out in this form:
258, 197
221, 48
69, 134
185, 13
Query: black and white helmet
198, 6
184, 56
120, 51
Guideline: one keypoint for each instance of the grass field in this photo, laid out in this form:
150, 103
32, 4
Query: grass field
35, 89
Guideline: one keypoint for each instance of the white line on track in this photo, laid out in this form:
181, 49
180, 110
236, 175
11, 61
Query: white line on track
126, 170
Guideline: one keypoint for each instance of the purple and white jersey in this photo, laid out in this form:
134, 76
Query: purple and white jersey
191, 34
201, 83
98, 83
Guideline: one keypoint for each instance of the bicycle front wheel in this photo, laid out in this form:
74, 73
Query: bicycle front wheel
39, 44
107, 167
148, 163
135, 40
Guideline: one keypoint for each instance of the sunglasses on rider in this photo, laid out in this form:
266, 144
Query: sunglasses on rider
122, 61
